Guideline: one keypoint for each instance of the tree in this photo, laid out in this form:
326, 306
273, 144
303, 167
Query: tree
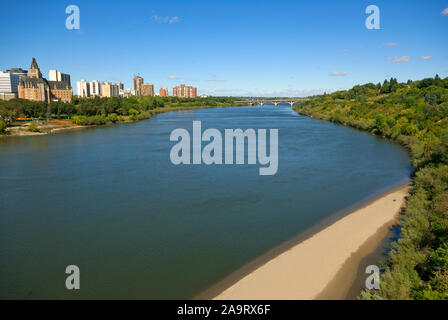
431, 99
385, 88
3, 126
393, 85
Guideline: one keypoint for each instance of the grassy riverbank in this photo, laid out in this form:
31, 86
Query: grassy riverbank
414, 114
92, 112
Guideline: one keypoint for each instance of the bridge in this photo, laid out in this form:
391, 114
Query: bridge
261, 102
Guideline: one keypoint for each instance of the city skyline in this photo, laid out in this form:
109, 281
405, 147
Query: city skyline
87, 89
242, 49
32, 85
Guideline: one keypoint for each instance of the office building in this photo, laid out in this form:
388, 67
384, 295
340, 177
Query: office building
95, 88
9, 82
115, 90
163, 92
184, 91
147, 90
109, 89
138, 83
83, 89
55, 75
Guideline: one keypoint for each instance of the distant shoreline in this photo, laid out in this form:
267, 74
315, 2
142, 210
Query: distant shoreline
20, 131
294, 270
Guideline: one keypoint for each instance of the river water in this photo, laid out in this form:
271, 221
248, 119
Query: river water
110, 201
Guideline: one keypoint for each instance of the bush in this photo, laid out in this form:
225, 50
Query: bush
32, 127
3, 126
113, 118
97, 120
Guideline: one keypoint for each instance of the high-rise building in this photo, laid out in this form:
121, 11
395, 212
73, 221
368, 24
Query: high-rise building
163, 92
106, 89
109, 89
18, 71
95, 88
184, 91
192, 92
9, 82
83, 89
138, 83
147, 90
115, 90
55, 75
120, 86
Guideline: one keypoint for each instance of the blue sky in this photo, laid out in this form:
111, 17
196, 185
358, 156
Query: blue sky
262, 48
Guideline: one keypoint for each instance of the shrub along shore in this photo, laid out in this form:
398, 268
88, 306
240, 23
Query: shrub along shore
414, 114
97, 111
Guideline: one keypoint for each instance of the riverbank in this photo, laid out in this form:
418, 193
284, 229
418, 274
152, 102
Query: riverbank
324, 266
43, 127
404, 114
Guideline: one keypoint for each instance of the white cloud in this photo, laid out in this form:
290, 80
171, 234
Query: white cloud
445, 12
425, 57
173, 77
174, 19
357, 48
338, 74
389, 44
398, 60
167, 19
216, 80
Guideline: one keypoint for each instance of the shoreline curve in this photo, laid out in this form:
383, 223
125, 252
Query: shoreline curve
320, 263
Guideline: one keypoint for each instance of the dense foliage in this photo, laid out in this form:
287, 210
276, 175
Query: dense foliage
3, 126
98, 111
415, 114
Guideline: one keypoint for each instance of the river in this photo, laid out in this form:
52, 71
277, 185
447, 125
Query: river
110, 201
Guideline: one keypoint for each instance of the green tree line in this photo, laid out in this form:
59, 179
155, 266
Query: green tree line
415, 114
100, 110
